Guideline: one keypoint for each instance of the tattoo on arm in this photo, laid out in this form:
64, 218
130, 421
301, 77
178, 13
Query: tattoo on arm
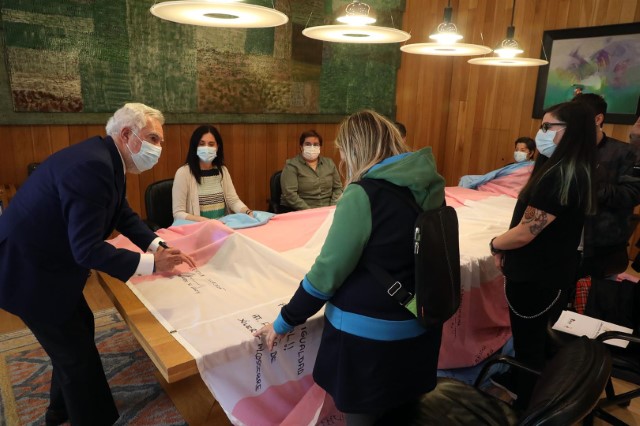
536, 219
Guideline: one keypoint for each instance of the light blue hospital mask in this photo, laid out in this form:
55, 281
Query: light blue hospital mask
519, 156
148, 155
207, 153
544, 142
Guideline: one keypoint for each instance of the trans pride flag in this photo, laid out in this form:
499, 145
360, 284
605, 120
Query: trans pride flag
244, 277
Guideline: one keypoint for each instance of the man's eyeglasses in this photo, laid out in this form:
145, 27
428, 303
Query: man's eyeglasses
317, 145
546, 126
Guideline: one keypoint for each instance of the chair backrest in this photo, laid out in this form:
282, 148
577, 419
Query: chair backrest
157, 200
276, 192
570, 385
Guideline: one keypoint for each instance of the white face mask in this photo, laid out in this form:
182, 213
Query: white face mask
310, 152
147, 157
207, 153
519, 156
544, 142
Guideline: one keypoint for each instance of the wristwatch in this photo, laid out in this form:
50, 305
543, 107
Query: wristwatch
493, 250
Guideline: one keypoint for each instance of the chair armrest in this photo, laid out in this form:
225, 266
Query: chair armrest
503, 359
608, 335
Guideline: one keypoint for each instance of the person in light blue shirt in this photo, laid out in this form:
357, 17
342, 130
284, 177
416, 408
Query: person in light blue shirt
525, 149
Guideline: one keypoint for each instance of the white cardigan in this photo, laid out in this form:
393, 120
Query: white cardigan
185, 194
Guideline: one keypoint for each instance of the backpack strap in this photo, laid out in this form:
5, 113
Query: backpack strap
393, 287
390, 285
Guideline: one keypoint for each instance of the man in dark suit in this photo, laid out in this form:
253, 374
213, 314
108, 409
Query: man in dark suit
53, 234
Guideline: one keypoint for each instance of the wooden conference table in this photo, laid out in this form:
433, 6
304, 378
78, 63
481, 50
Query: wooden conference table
171, 359
178, 368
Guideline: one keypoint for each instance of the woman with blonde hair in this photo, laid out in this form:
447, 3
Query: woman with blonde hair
374, 356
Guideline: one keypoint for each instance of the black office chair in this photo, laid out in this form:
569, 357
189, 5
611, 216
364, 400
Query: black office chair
276, 192
567, 390
157, 200
619, 303
625, 366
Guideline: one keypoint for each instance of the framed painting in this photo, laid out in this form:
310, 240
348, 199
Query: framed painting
603, 60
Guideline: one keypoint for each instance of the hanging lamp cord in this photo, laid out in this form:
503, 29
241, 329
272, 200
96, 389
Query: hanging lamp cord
513, 11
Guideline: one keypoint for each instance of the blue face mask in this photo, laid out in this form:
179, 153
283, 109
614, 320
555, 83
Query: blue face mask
147, 157
544, 142
207, 153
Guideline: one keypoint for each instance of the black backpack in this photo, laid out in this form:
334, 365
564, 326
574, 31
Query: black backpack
436, 260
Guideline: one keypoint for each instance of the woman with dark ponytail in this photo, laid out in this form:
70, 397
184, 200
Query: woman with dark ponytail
538, 254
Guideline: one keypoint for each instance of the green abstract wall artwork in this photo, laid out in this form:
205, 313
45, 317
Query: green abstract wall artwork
65, 60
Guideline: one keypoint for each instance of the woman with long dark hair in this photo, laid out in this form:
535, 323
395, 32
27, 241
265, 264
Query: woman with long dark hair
202, 188
538, 254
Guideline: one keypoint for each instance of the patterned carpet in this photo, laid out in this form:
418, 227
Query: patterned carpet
25, 372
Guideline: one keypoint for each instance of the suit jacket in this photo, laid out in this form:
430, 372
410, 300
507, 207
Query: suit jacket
55, 228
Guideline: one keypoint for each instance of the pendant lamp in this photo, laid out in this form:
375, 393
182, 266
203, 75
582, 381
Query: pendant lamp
446, 43
218, 13
355, 27
507, 51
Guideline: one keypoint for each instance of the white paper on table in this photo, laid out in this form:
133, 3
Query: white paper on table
582, 325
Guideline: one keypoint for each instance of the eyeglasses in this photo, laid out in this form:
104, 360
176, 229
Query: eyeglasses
317, 145
545, 126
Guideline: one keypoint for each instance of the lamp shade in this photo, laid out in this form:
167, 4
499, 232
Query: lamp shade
356, 34
508, 62
507, 51
446, 37
440, 49
219, 14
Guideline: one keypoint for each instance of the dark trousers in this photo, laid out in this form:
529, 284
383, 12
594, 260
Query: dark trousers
531, 340
78, 384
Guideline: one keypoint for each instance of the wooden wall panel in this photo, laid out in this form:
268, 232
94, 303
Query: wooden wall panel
471, 115
473, 122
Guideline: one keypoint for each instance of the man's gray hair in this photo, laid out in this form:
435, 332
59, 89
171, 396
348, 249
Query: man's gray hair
132, 115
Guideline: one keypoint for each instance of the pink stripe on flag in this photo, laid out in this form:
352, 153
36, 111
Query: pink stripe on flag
272, 406
510, 185
200, 240
478, 329
290, 230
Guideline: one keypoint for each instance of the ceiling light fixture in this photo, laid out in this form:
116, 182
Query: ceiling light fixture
446, 32
356, 18
357, 13
507, 51
219, 13
446, 44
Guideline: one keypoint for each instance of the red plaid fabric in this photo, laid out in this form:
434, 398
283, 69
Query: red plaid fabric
582, 293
